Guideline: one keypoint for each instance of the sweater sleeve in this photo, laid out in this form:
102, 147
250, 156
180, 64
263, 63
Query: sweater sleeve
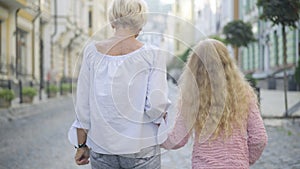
179, 135
257, 136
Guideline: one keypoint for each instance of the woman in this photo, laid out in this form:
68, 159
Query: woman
219, 108
121, 96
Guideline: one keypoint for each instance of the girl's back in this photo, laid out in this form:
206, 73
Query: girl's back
220, 109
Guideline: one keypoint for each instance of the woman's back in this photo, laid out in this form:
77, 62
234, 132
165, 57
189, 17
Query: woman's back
117, 46
119, 86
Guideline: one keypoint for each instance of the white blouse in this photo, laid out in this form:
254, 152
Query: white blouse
121, 99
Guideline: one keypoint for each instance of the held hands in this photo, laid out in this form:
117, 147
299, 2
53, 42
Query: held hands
164, 115
82, 156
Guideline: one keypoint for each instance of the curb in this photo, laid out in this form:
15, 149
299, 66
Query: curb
26, 110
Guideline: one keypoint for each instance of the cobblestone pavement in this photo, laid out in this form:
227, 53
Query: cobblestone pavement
39, 140
282, 151
283, 148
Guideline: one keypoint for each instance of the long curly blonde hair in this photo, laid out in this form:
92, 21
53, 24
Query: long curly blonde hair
215, 97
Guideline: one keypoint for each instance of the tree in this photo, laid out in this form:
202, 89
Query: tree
284, 13
238, 33
218, 38
184, 56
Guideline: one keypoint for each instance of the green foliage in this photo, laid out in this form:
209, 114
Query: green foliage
238, 33
65, 87
7, 94
284, 12
251, 80
29, 91
218, 38
297, 73
185, 55
52, 88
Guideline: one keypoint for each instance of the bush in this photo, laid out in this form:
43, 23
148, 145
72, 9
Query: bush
65, 87
29, 91
252, 81
7, 94
52, 89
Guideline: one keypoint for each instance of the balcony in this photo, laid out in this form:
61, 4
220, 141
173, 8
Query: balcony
45, 10
14, 4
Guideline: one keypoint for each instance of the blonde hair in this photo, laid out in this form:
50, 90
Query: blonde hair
128, 14
215, 96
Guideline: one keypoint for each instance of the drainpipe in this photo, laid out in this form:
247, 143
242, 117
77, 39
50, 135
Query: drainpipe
41, 59
17, 45
69, 47
54, 33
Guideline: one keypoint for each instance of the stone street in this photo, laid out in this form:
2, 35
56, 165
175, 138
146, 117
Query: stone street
34, 137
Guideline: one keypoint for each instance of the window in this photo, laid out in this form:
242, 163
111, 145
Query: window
1, 54
276, 48
21, 60
90, 19
254, 56
247, 6
248, 58
263, 59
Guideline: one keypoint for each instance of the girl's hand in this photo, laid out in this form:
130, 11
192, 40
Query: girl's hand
82, 156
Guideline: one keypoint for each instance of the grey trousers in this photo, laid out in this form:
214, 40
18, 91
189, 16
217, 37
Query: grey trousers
105, 161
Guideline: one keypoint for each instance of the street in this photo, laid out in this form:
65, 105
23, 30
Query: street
40, 141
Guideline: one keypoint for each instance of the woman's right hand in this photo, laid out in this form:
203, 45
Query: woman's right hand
82, 156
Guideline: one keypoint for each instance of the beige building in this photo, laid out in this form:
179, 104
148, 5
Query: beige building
41, 40
184, 25
21, 23
75, 22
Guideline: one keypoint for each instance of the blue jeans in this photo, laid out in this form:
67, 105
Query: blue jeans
107, 161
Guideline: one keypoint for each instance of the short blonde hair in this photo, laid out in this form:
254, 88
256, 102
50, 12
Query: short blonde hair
128, 14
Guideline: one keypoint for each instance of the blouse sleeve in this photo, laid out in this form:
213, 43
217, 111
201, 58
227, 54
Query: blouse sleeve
257, 136
157, 101
82, 104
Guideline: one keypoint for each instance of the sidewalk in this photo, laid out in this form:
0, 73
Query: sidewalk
272, 103
18, 110
284, 134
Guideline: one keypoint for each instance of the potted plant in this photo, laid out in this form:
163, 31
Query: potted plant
6, 96
65, 88
52, 90
28, 94
252, 81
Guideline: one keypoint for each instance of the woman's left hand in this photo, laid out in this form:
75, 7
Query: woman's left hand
82, 156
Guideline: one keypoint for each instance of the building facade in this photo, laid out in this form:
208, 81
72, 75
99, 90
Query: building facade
75, 22
41, 40
265, 56
21, 24
262, 58
185, 33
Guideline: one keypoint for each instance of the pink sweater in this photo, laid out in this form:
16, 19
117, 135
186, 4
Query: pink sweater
237, 152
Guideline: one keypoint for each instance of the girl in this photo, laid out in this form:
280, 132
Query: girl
219, 109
